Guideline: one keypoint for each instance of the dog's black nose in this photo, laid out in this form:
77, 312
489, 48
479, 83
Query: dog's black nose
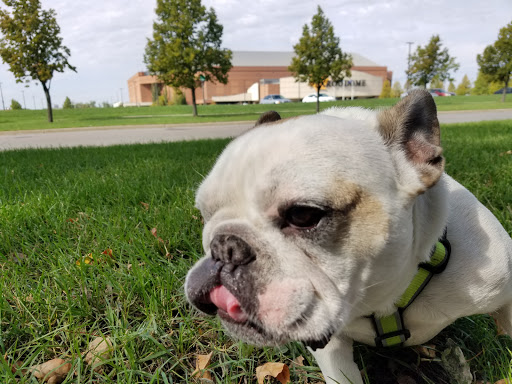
231, 249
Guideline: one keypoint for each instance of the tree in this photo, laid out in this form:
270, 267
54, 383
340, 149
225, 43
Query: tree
31, 44
186, 46
496, 60
481, 86
318, 55
431, 62
451, 87
15, 105
386, 90
436, 83
67, 104
464, 87
396, 90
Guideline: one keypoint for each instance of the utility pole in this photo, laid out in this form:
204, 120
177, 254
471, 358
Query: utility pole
409, 65
121, 89
24, 102
1, 93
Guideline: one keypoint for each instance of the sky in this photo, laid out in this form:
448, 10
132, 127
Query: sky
107, 38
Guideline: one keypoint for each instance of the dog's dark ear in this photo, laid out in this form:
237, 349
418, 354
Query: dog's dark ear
411, 126
268, 117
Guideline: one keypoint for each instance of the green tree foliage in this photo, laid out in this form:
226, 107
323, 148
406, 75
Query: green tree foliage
31, 44
386, 90
67, 104
431, 62
15, 105
396, 90
451, 87
495, 86
496, 60
464, 88
437, 83
186, 44
318, 55
481, 86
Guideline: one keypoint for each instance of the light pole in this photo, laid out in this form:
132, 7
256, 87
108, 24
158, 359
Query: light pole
1, 93
121, 89
24, 103
409, 65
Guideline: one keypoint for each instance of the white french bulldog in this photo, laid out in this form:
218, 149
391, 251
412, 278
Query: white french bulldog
316, 222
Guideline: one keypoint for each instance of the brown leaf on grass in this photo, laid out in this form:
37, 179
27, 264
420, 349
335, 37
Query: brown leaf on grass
154, 232
503, 381
506, 153
99, 349
15, 366
107, 252
278, 370
202, 362
52, 372
144, 205
428, 351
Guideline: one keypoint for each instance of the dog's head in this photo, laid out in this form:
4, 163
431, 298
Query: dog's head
307, 219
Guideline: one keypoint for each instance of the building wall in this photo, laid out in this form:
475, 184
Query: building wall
360, 84
241, 78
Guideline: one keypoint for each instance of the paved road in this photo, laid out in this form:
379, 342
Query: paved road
157, 133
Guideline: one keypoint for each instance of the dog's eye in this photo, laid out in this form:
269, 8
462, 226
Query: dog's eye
303, 217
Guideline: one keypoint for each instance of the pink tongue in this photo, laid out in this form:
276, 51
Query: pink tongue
225, 300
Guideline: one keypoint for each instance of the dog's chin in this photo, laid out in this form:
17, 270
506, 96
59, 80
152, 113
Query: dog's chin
254, 333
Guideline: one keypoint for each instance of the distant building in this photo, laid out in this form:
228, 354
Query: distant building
257, 74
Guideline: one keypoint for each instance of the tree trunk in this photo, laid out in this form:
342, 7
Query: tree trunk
504, 93
318, 98
194, 101
48, 102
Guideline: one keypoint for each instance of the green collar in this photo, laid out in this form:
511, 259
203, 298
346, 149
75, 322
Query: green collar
390, 329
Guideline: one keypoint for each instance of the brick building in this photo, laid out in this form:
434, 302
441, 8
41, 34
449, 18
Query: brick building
257, 74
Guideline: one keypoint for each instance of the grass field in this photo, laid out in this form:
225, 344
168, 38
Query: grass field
97, 241
68, 118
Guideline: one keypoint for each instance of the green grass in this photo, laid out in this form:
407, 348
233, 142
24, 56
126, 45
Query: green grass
58, 206
182, 114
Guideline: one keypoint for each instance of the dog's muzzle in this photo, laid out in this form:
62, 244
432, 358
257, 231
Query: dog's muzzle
222, 284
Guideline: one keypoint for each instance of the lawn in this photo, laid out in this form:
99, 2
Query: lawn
182, 114
97, 241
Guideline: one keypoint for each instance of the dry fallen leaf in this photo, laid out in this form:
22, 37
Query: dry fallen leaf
145, 205
99, 349
428, 351
278, 370
153, 232
52, 372
503, 381
107, 252
506, 153
202, 362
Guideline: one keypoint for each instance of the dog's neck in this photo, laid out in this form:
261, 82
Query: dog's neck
427, 216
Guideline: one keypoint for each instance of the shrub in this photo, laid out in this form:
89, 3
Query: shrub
15, 105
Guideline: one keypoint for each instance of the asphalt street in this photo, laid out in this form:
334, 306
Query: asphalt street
105, 136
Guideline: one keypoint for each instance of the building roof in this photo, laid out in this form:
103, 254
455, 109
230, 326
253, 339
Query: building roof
283, 59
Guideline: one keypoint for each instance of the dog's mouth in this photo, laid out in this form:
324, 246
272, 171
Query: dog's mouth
215, 289
225, 304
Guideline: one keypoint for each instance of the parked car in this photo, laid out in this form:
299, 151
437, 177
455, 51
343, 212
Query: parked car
509, 90
274, 99
322, 97
440, 92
